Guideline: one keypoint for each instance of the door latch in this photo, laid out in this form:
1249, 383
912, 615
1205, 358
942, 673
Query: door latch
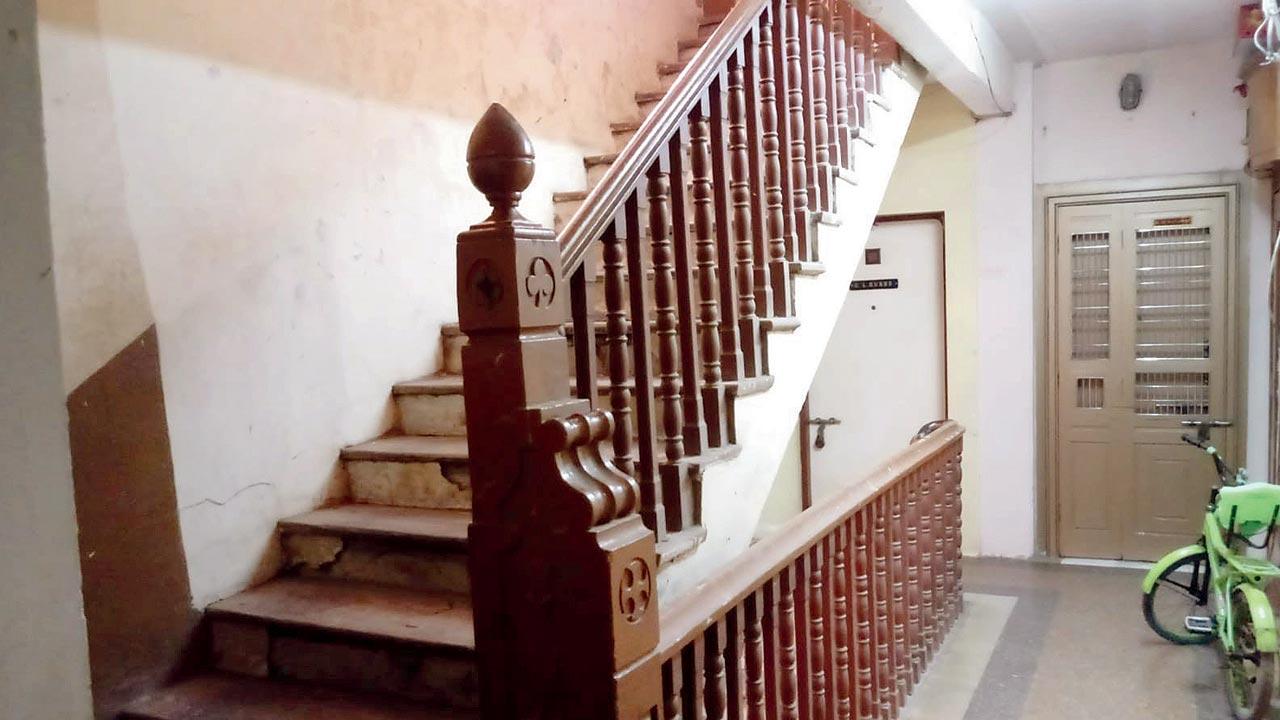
820, 441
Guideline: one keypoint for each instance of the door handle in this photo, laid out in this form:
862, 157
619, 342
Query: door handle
1204, 426
820, 441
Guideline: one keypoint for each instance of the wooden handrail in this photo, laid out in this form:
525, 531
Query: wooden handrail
602, 203
702, 607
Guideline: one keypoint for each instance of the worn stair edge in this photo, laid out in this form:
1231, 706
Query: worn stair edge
359, 609
569, 196
594, 160
824, 217
423, 525
808, 268
438, 384
780, 324
649, 96
679, 545
847, 175
749, 386
690, 43
219, 696
408, 448
671, 68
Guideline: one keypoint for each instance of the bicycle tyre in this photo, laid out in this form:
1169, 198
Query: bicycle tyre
1194, 590
1249, 693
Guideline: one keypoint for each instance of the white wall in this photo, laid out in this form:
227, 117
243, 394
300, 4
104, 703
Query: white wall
1003, 228
1190, 119
278, 188
44, 656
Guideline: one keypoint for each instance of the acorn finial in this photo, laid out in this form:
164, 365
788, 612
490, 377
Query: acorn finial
500, 161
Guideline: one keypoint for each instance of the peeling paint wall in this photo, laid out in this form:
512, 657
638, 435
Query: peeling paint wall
277, 188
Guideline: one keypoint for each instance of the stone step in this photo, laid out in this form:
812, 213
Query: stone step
689, 47
430, 407
648, 100
407, 547
410, 471
597, 166
218, 696
709, 23
351, 635
668, 72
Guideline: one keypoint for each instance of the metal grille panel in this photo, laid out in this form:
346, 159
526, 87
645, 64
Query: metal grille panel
1171, 393
1090, 296
1174, 293
1089, 393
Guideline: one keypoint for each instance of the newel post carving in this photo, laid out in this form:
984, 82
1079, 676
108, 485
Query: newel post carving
563, 571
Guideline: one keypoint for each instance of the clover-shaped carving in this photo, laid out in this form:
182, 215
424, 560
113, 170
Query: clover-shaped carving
540, 283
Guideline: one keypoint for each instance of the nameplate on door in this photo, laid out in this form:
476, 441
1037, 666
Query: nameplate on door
885, 284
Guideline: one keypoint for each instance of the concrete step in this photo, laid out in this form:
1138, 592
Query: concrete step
218, 696
668, 72
410, 471
351, 635
687, 48
406, 547
431, 406
709, 23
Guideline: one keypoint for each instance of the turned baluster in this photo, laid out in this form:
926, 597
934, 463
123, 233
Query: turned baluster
959, 475
782, 95
755, 362
618, 344
886, 690
677, 498
672, 690
816, 611
652, 501
841, 152
712, 385
775, 212
859, 39
798, 130
732, 362
940, 604
789, 668
914, 632
868, 706
897, 572
840, 611
693, 680
735, 663
716, 688
696, 440
761, 284
949, 516
755, 655
771, 592
820, 172
928, 620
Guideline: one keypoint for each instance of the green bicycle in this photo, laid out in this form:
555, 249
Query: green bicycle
1214, 589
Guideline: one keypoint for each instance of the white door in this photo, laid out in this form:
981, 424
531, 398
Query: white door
884, 372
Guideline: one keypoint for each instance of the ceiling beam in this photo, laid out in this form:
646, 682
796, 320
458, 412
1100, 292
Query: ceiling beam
956, 44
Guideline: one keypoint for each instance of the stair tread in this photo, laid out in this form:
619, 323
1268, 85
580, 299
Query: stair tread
424, 524
217, 696
569, 196
366, 609
650, 95
408, 448
671, 68
605, 159
690, 43
439, 384
624, 127
713, 19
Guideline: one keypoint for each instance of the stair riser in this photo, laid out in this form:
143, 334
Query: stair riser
686, 54
595, 173
380, 560
453, 345
564, 210
438, 677
432, 415
439, 485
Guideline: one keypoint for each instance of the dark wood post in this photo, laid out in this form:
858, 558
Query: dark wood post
563, 572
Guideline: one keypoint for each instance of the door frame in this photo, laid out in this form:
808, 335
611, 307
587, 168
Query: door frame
1050, 198
941, 218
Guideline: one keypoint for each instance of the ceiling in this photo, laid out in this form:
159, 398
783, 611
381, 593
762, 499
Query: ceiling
1054, 30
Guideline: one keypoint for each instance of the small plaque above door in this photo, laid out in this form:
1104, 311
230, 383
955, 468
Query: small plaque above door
885, 284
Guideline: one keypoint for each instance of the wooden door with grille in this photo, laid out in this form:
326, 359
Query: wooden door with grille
1142, 345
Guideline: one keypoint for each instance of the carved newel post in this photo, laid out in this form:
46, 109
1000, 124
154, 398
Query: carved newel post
563, 571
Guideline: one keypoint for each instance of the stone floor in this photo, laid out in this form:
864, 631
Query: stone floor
1042, 641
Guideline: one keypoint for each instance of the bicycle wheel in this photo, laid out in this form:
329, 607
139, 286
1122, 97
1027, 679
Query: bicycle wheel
1251, 673
1181, 591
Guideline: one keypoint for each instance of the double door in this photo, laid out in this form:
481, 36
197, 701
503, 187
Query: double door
1141, 337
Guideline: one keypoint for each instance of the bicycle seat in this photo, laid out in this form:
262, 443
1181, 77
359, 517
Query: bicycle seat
1253, 508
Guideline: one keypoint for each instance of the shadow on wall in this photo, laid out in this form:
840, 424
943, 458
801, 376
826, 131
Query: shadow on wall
449, 58
137, 597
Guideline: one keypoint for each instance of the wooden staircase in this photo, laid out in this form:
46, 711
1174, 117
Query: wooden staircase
371, 617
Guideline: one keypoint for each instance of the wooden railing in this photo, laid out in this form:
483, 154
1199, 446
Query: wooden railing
571, 493
837, 614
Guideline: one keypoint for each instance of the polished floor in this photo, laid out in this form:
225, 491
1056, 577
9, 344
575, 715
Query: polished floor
1042, 641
